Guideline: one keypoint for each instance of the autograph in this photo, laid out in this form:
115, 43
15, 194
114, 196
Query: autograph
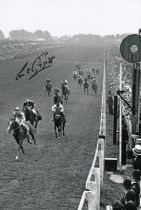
41, 63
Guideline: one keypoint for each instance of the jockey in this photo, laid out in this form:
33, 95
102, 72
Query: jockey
19, 117
58, 107
74, 72
80, 77
64, 83
30, 105
56, 90
93, 81
48, 82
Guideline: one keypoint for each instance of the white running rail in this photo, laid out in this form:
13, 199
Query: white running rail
94, 180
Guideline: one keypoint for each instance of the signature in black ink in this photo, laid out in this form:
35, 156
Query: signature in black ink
41, 63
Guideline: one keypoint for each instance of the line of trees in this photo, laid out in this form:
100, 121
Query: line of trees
45, 35
26, 35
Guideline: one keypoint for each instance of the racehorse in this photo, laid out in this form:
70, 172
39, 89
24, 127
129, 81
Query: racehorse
86, 87
48, 88
88, 76
80, 81
20, 134
97, 70
75, 76
59, 123
57, 98
93, 70
94, 88
65, 92
32, 117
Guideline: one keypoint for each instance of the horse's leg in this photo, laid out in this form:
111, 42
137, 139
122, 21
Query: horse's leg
63, 129
36, 123
28, 139
59, 130
33, 126
22, 149
19, 147
32, 135
55, 131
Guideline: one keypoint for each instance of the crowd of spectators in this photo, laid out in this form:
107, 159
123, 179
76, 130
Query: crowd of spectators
130, 198
131, 186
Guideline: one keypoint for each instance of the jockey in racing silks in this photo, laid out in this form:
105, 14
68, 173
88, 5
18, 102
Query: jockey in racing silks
74, 72
19, 117
93, 81
30, 105
58, 107
48, 82
64, 83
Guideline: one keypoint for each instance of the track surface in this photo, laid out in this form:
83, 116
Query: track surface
52, 174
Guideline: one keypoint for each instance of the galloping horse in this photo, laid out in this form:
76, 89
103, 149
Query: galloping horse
20, 134
31, 117
74, 76
94, 88
86, 86
59, 123
48, 88
97, 70
65, 92
80, 80
88, 76
57, 98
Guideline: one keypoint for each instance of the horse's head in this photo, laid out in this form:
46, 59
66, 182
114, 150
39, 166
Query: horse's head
26, 112
13, 125
57, 115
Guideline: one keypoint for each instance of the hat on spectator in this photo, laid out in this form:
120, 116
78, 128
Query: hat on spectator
137, 149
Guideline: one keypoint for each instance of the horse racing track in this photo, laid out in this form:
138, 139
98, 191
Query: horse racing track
52, 174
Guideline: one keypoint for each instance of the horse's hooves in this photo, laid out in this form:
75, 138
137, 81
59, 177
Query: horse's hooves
59, 137
29, 142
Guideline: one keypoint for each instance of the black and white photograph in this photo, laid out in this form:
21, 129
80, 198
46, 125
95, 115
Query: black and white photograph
70, 104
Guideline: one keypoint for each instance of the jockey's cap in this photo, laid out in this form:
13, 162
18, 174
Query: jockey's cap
17, 108
57, 89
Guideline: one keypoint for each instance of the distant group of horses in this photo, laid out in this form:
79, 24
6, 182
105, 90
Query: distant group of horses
85, 78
